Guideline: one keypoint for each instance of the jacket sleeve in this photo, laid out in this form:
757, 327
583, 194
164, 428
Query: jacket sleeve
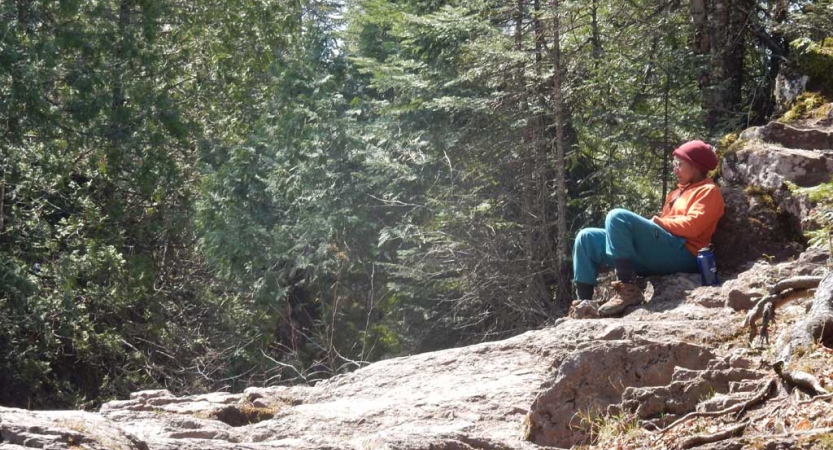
706, 208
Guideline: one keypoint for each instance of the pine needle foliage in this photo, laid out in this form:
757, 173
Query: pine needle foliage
213, 194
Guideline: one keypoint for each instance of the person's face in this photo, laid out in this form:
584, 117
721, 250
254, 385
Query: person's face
685, 172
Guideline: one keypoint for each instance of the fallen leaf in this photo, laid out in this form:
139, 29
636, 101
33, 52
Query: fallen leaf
803, 424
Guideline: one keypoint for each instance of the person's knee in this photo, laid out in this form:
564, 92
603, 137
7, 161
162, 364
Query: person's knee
584, 238
617, 216
583, 235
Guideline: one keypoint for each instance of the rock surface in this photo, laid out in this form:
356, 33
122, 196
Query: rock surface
751, 228
770, 173
817, 137
770, 166
537, 389
474, 397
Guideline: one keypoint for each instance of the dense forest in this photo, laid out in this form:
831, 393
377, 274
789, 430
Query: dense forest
206, 195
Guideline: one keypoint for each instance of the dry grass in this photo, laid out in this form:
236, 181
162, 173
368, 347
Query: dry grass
241, 414
621, 431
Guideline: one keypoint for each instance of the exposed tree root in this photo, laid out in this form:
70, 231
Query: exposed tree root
769, 317
768, 412
815, 327
740, 408
816, 398
801, 282
702, 439
803, 381
804, 433
759, 397
780, 294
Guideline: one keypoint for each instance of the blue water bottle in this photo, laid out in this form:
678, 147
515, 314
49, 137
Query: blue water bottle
707, 266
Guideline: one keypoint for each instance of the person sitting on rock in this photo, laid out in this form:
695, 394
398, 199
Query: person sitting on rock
666, 244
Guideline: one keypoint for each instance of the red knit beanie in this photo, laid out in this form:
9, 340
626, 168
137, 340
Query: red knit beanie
699, 154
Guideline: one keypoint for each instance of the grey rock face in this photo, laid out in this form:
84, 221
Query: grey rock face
772, 156
788, 87
63, 430
770, 165
591, 379
797, 138
475, 397
536, 389
773, 160
749, 229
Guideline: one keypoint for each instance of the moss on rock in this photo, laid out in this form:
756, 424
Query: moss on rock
734, 147
805, 105
724, 146
726, 141
822, 112
764, 195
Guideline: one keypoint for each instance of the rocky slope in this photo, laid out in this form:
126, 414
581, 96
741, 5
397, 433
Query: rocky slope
607, 383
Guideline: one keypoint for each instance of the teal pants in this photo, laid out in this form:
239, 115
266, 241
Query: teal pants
650, 249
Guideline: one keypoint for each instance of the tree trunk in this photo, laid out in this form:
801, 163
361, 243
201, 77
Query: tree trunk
719, 27
763, 104
13, 131
529, 204
22, 7
563, 286
118, 113
729, 53
539, 34
538, 242
594, 33
699, 36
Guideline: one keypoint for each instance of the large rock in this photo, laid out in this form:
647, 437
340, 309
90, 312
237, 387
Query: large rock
777, 158
684, 391
770, 165
513, 394
592, 379
751, 229
795, 137
63, 430
788, 86
541, 388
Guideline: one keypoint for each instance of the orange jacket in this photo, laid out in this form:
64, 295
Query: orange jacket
692, 212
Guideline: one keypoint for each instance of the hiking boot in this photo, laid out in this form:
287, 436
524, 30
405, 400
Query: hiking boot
584, 309
627, 294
